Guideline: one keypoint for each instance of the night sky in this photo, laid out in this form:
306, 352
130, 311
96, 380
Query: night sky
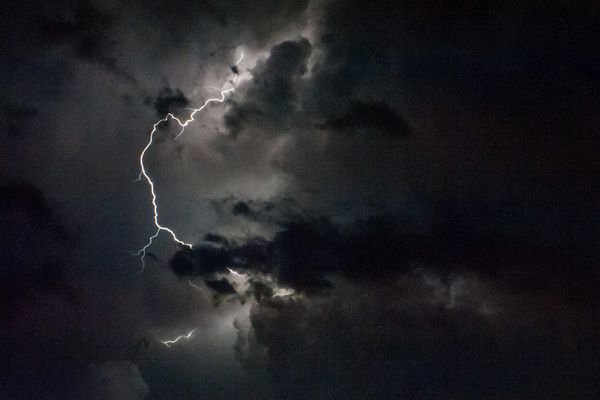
396, 200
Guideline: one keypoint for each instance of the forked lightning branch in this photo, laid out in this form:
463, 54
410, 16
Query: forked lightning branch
144, 175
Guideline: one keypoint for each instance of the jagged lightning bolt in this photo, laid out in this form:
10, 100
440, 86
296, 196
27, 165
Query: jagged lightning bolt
232, 272
236, 274
144, 174
168, 343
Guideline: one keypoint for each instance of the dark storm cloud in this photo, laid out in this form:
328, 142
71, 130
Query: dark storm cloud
84, 21
356, 63
38, 298
114, 380
244, 215
28, 223
168, 100
71, 301
202, 260
208, 259
23, 203
303, 253
468, 86
416, 316
214, 238
41, 302
16, 116
220, 286
396, 340
252, 207
439, 164
359, 172
64, 326
88, 30
228, 23
257, 209
374, 115
241, 208
271, 95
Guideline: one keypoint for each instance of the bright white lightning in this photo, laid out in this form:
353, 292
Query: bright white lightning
168, 343
236, 274
240, 60
283, 292
183, 124
192, 284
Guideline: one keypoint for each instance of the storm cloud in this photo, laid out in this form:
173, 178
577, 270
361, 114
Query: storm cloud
397, 200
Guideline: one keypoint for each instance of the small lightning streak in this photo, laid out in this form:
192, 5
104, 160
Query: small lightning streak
234, 273
240, 60
192, 284
168, 343
143, 173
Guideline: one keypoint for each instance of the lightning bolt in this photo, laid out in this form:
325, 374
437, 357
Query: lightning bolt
239, 60
144, 174
192, 284
232, 272
168, 343
237, 274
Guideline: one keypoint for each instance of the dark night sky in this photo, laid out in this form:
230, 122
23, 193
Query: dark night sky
409, 190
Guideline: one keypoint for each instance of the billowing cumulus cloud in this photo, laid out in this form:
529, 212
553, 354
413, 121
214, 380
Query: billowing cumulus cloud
377, 311
271, 96
421, 337
169, 100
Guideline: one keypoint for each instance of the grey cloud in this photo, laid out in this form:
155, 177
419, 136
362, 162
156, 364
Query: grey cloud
241, 208
16, 116
395, 339
284, 100
58, 316
220, 286
369, 115
214, 238
117, 380
168, 100
471, 129
303, 253
89, 31
271, 95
